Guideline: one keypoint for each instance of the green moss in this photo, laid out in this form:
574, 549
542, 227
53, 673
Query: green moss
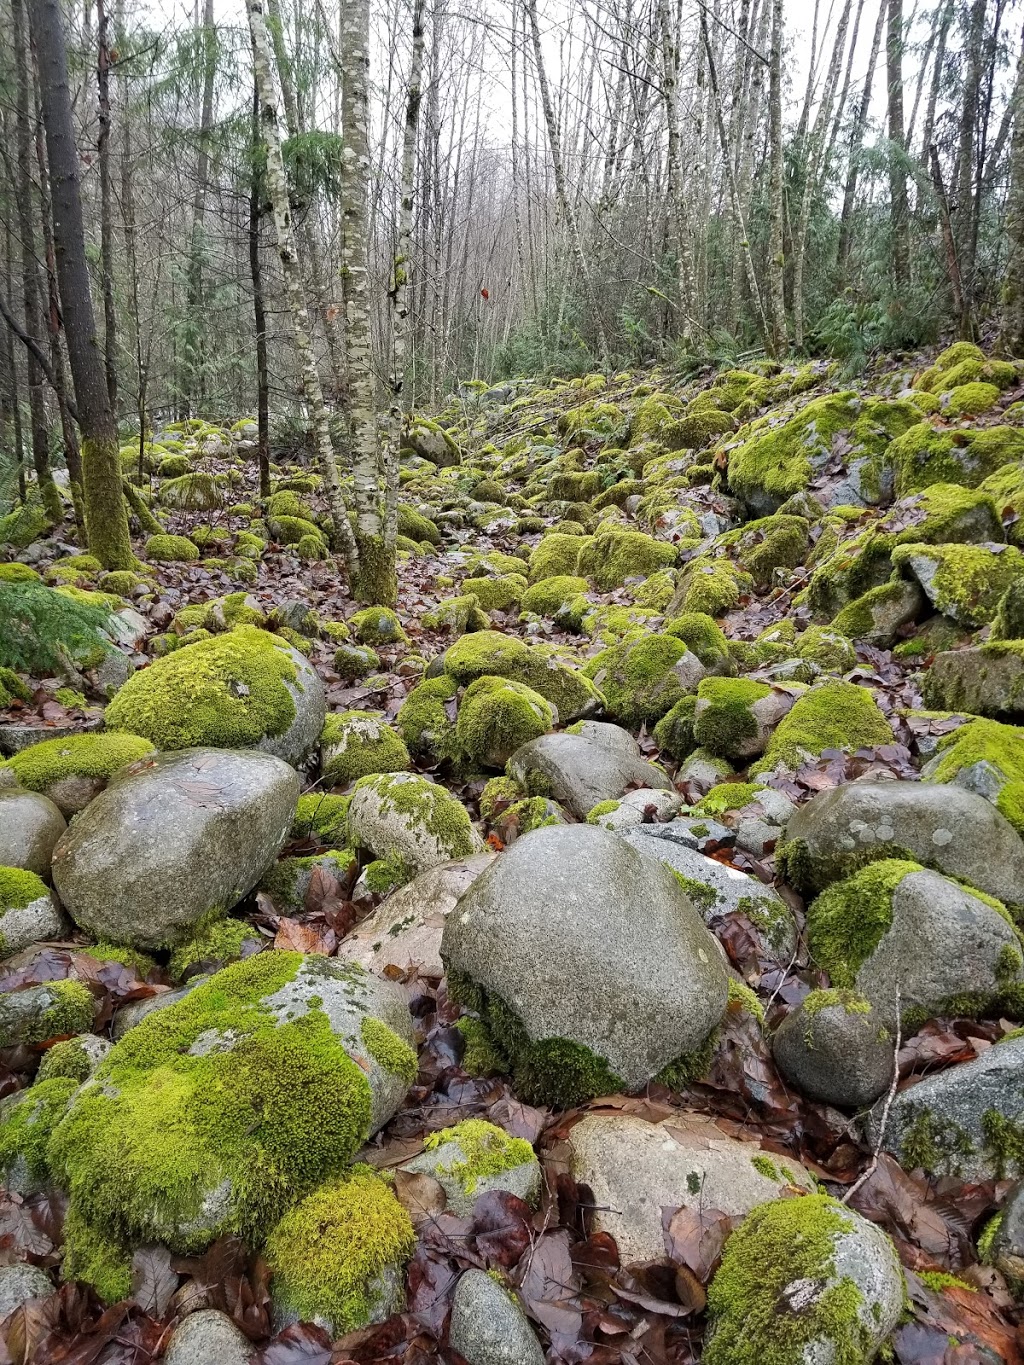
556, 556
219, 941
384, 875
597, 813
41, 627
938, 1280
726, 722
72, 1011
496, 716
497, 796
481, 1057
765, 1166
847, 921
858, 618
969, 400
713, 586
504, 656
25, 1132
673, 734
322, 816
24, 525
496, 594
987, 741
702, 635
19, 888
357, 743
487, 1150
770, 543
927, 455
784, 1243
138, 962
73, 569
428, 805
329, 1252
282, 1110
935, 1145
425, 722
228, 692
851, 1002
727, 796
987, 1239
968, 580
18, 573
830, 649
550, 596
638, 678
611, 557
93, 756
68, 1060
96, 1259
535, 812
388, 1050
169, 549
831, 715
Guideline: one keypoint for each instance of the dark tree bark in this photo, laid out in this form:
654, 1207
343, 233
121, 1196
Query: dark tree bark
259, 310
106, 204
899, 205
963, 211
860, 120
105, 512
1011, 331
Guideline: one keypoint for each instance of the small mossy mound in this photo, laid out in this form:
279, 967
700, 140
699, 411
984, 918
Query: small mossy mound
68, 1061
92, 756
727, 796
228, 692
612, 557
12, 688
196, 492
830, 649
725, 723
1000, 748
562, 598
26, 523
356, 743
19, 888
220, 941
500, 593
970, 400
557, 555
417, 527
352, 662
25, 1131
322, 816
780, 1248
712, 586
641, 679
18, 573
377, 626
426, 719
496, 716
673, 734
702, 636
332, 1256
486, 1150
488, 652
848, 920
926, 455
770, 543
830, 715
81, 569
170, 549
173, 1115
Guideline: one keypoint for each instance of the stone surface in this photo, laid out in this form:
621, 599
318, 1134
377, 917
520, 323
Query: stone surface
24, 925
951, 1123
30, 825
207, 1337
587, 940
524, 1180
403, 815
14, 738
635, 1169
171, 839
406, 928
986, 680
954, 830
836, 1055
942, 943
641, 805
22, 1012
303, 735
580, 772
19, 1283
488, 1327
719, 890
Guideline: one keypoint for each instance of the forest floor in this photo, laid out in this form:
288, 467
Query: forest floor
518, 448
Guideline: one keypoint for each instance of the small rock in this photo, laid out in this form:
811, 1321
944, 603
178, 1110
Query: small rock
642, 805
488, 1327
30, 825
38, 1013
19, 1283
403, 815
454, 1152
834, 1048
207, 1337
580, 773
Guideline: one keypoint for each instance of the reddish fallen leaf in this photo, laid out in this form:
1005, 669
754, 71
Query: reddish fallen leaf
694, 1238
301, 1344
293, 936
501, 1228
550, 1289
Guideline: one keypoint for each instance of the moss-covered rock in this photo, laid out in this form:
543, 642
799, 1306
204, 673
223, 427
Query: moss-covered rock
73, 770
830, 649
770, 543
969, 400
417, 527
702, 634
673, 734
734, 716
26, 523
712, 586
199, 491
168, 549
496, 716
830, 715
459, 615
986, 757
877, 615
322, 816
401, 815
964, 582
612, 557
554, 596
426, 719
642, 679
352, 662
377, 626
354, 744
557, 555
488, 652
498, 593
926, 455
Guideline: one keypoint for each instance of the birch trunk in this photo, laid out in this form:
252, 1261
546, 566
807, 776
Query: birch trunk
899, 207
1011, 331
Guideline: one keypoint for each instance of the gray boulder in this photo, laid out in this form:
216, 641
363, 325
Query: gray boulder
637, 806
406, 928
488, 1327
965, 1121
19, 1283
208, 1337
38, 1013
945, 827
164, 845
22, 925
717, 890
310, 698
986, 680
635, 1169
403, 815
586, 941
580, 772
30, 825
834, 1048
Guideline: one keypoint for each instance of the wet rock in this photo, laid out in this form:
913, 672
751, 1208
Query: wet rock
21, 1282
30, 825
580, 773
488, 1327
635, 1169
172, 839
207, 1337
834, 1048
38, 1013
129, 1015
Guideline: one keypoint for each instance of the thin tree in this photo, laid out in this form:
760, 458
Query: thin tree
860, 123
1011, 331
106, 202
776, 201
259, 308
899, 207
105, 513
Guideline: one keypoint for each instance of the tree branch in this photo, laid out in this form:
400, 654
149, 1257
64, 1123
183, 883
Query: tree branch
35, 350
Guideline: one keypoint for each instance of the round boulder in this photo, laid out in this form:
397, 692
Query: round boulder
402, 815
30, 825
834, 1048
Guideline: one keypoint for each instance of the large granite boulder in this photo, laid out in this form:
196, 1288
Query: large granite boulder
587, 961
580, 771
948, 828
172, 839
634, 1169
986, 680
30, 826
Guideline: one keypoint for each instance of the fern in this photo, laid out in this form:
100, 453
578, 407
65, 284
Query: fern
41, 630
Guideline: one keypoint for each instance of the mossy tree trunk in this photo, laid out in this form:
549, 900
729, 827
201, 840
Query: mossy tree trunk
776, 197
899, 207
259, 308
1011, 331
287, 252
105, 512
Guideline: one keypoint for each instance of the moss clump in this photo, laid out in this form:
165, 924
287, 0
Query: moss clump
727, 796
830, 649
92, 756
938, 1280
639, 678
219, 941
25, 1132
171, 1119
377, 626
322, 816
556, 556
770, 543
18, 573
496, 716
73, 569
425, 805
357, 743
846, 922
166, 549
487, 1150
19, 888
831, 715
765, 1166
417, 527
352, 662
927, 455
1000, 746
780, 1246
970, 400
332, 1252
703, 636
458, 614
725, 722
229, 692
613, 556
426, 719
72, 1011
504, 656
878, 613
68, 1061
496, 594
497, 796
966, 581
673, 734
713, 586
388, 1050
550, 596
480, 1057
24, 525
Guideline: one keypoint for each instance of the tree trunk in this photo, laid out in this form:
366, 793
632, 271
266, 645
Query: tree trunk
776, 206
106, 205
194, 385
105, 512
899, 207
1011, 331
259, 311
29, 276
963, 213
856, 142
277, 185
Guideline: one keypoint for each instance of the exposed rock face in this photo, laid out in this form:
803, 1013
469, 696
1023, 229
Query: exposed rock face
172, 839
587, 942
949, 828
579, 772
30, 825
987, 680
